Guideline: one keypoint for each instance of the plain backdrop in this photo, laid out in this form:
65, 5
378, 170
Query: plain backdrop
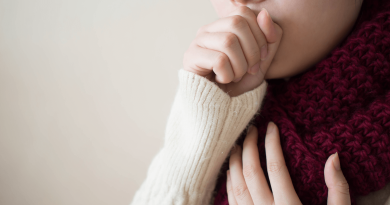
86, 87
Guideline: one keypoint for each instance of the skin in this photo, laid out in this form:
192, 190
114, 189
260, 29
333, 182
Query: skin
311, 29
297, 34
228, 51
246, 183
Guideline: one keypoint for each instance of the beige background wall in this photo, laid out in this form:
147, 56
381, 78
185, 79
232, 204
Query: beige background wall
86, 87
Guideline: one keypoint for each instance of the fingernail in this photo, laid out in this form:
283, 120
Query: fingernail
270, 127
263, 52
336, 162
254, 68
228, 175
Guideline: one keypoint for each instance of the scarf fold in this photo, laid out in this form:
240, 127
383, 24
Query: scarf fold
341, 104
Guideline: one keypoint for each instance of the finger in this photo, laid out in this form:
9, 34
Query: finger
258, 34
273, 33
253, 174
238, 25
202, 61
226, 43
240, 190
229, 189
338, 188
267, 26
279, 177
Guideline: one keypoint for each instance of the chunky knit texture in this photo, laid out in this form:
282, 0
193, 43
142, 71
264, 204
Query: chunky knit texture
202, 127
341, 104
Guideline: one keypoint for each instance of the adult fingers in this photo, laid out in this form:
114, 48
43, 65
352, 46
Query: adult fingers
253, 174
338, 188
202, 61
237, 24
229, 189
240, 189
281, 184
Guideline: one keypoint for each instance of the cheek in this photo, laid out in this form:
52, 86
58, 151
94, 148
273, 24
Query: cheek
309, 35
289, 60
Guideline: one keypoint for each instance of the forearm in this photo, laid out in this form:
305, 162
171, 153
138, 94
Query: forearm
203, 125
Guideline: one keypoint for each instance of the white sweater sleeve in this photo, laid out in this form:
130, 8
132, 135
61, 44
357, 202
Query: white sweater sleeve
202, 127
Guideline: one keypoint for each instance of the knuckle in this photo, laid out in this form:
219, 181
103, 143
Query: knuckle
240, 191
220, 64
196, 43
238, 22
342, 187
274, 167
221, 60
229, 40
249, 171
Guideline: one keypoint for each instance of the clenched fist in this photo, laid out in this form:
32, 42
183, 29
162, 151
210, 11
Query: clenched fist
235, 51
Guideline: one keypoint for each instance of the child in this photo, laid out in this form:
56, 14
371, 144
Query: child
233, 55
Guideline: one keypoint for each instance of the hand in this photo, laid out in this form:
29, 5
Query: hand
246, 183
228, 51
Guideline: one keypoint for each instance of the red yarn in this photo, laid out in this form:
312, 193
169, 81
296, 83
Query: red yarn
341, 104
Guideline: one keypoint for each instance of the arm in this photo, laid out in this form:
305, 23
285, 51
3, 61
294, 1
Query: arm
203, 125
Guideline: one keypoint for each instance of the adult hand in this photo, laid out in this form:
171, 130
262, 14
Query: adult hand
235, 51
246, 182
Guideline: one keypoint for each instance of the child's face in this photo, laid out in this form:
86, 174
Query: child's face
311, 29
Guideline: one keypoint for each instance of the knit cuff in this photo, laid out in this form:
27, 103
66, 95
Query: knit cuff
211, 122
201, 91
203, 125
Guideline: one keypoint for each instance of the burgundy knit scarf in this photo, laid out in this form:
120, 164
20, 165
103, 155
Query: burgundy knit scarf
341, 104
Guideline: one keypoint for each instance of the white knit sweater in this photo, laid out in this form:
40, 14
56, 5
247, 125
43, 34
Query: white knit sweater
202, 127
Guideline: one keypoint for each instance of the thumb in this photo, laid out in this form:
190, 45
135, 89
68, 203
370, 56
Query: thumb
273, 33
338, 188
271, 30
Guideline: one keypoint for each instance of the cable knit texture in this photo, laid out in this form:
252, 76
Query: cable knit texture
203, 125
341, 105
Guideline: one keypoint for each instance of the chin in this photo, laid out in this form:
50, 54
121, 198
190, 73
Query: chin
278, 70
285, 69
